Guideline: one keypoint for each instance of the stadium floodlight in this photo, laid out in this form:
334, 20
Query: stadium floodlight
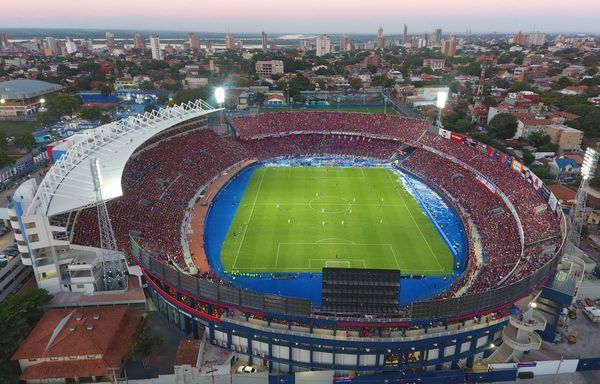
220, 95
42, 100
442, 97
590, 162
533, 304
2, 101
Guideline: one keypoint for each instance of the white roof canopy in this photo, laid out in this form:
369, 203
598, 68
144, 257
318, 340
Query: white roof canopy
68, 185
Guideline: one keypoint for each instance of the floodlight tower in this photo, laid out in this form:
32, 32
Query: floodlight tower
440, 103
588, 169
220, 99
111, 257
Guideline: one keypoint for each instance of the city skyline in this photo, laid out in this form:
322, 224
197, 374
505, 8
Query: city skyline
309, 17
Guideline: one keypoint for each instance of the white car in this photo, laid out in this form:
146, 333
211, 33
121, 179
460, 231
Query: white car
246, 369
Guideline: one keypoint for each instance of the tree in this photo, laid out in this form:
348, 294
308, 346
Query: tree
355, 83
91, 114
528, 158
150, 107
259, 98
105, 90
489, 101
25, 141
142, 348
22, 311
503, 126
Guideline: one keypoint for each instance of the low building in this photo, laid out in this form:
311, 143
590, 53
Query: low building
269, 68
564, 194
435, 64
564, 169
568, 139
21, 98
81, 344
13, 275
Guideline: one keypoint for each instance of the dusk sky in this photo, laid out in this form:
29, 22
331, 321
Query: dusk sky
306, 16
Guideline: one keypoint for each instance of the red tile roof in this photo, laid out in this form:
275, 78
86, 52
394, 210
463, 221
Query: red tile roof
533, 122
188, 352
59, 334
64, 369
562, 193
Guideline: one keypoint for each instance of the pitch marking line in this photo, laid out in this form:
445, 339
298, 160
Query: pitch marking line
249, 220
414, 221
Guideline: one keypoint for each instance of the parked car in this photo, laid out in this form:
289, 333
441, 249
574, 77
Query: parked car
246, 369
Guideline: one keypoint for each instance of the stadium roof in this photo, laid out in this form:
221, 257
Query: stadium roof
69, 185
26, 89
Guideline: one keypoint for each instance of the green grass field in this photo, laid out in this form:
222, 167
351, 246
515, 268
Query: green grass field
301, 219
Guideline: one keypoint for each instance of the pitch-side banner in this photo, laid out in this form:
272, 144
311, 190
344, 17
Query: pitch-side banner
456, 137
553, 202
486, 183
446, 134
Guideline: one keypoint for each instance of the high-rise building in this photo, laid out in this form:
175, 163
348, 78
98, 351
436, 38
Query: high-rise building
380, 38
51, 45
405, 35
323, 45
110, 41
229, 41
449, 47
194, 43
264, 41
342, 42
520, 38
155, 48
536, 39
435, 39
70, 46
3, 41
269, 68
138, 42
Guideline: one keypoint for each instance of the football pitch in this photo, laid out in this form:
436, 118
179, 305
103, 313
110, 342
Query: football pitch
301, 219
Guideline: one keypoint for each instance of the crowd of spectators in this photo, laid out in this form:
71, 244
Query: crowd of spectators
496, 226
164, 176
158, 183
538, 224
362, 123
295, 145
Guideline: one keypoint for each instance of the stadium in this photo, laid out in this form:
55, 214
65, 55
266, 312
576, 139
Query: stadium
354, 242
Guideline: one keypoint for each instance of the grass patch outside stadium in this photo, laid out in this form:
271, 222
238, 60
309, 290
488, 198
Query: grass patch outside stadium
301, 219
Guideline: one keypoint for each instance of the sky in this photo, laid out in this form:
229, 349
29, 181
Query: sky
307, 16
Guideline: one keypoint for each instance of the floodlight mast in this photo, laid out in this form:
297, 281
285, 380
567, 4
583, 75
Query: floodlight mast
578, 212
442, 97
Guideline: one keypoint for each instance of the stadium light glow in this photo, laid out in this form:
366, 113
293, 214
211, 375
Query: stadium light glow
590, 162
2, 101
442, 97
220, 95
42, 100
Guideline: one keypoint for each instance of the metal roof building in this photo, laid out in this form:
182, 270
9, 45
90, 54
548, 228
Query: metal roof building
22, 89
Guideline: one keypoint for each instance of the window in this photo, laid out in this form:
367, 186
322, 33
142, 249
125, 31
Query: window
29, 225
33, 238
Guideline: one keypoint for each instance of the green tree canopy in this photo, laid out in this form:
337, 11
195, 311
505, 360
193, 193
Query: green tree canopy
503, 126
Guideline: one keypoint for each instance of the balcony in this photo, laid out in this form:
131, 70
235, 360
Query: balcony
528, 341
534, 321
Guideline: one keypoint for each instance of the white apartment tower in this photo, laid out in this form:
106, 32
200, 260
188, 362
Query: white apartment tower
323, 44
155, 48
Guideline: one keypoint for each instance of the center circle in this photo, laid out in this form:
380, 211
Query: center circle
329, 204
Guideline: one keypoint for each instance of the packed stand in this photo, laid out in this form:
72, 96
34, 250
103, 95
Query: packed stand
267, 124
538, 224
158, 183
315, 144
496, 226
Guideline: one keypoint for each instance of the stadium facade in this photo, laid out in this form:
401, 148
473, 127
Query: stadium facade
286, 334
